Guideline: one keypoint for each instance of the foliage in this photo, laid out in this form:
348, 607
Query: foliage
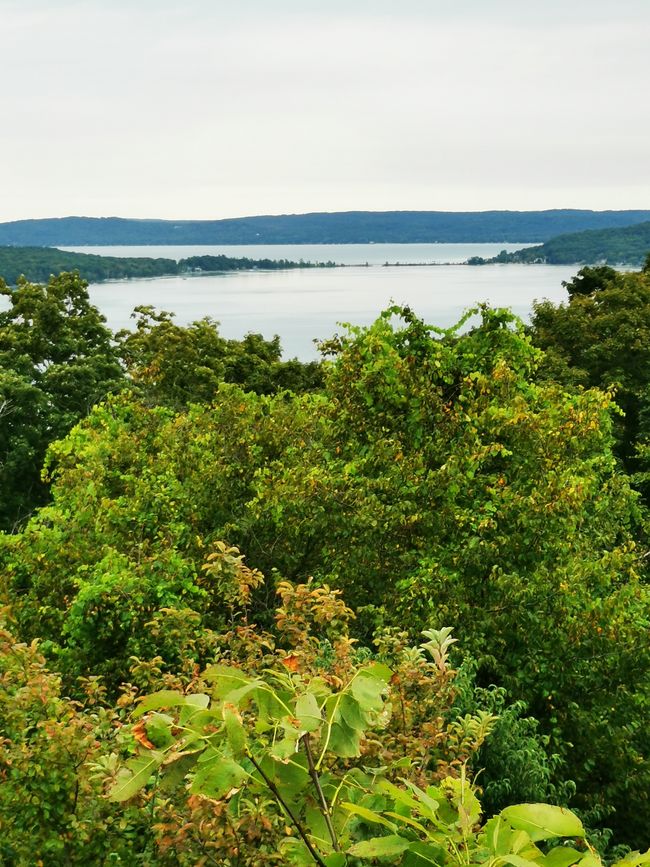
626, 245
351, 227
436, 479
451, 487
51, 806
56, 361
308, 741
602, 338
171, 365
40, 263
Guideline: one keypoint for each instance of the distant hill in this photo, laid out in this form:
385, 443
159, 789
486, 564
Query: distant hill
625, 246
351, 227
38, 263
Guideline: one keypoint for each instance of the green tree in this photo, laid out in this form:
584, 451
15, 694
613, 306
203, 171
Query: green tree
601, 338
173, 365
434, 481
56, 361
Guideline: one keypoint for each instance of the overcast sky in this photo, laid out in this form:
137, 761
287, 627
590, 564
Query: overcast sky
217, 108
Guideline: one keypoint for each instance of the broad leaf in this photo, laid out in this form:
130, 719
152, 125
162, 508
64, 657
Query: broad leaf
543, 821
562, 856
380, 847
226, 679
135, 775
308, 713
157, 700
368, 688
235, 732
344, 741
368, 815
217, 777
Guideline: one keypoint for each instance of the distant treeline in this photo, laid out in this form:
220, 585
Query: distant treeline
624, 246
38, 263
351, 227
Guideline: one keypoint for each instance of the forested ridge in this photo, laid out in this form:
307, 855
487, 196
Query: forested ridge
39, 263
348, 227
391, 607
618, 246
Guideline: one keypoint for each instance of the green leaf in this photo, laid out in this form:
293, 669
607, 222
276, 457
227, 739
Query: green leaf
562, 856
407, 820
543, 821
380, 847
217, 777
427, 806
226, 679
501, 839
367, 688
159, 730
287, 747
291, 777
368, 815
634, 859
423, 854
135, 775
590, 860
398, 795
164, 698
308, 713
344, 741
517, 860
351, 712
235, 731
177, 769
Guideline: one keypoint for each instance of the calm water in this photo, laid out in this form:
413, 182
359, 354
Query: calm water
308, 304
342, 254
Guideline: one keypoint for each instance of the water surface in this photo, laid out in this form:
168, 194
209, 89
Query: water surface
304, 305
342, 254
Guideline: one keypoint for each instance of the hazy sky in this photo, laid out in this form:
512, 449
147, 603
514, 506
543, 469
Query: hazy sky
216, 108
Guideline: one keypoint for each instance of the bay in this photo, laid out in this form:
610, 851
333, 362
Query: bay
302, 305
342, 254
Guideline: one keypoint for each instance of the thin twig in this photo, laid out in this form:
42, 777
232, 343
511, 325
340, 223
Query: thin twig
278, 797
325, 810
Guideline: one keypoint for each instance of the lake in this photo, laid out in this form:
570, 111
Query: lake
302, 305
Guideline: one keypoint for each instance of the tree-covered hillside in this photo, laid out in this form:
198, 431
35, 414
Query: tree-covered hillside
627, 246
351, 227
391, 608
38, 263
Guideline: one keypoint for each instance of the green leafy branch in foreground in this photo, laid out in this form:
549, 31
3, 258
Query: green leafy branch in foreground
294, 736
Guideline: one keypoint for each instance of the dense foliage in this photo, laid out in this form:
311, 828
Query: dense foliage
601, 338
39, 263
352, 227
628, 245
164, 703
58, 359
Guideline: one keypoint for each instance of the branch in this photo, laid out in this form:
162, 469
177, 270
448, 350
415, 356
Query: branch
325, 810
278, 797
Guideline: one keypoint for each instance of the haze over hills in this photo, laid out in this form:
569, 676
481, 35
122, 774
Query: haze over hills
350, 227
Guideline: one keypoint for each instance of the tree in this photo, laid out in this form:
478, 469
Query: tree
171, 365
57, 361
601, 338
433, 481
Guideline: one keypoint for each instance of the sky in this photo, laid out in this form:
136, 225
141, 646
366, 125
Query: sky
205, 109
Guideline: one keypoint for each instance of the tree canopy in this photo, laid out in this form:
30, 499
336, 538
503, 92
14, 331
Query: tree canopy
465, 485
